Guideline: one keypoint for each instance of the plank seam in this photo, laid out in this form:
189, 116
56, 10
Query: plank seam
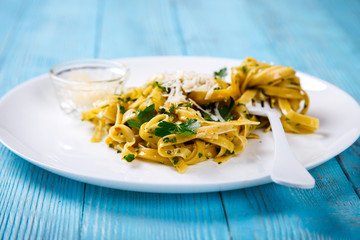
226, 215
82, 212
339, 160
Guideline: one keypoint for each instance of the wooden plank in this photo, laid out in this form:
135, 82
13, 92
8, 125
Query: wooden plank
132, 215
45, 35
9, 14
329, 211
34, 203
349, 161
347, 17
128, 31
221, 29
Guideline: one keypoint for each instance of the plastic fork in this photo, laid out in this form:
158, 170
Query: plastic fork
286, 169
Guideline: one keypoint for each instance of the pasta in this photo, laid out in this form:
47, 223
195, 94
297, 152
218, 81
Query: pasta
281, 87
184, 118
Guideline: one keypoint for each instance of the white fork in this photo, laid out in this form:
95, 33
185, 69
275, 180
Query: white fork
286, 169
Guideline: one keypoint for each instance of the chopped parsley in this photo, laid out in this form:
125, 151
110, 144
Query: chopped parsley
206, 116
171, 112
183, 129
221, 73
144, 116
147, 114
171, 140
188, 105
157, 84
172, 109
244, 68
175, 160
228, 152
121, 109
134, 123
225, 111
129, 157
294, 83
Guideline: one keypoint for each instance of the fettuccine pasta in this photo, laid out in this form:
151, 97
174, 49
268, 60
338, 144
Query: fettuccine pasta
184, 118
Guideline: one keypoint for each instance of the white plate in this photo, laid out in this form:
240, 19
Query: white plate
33, 127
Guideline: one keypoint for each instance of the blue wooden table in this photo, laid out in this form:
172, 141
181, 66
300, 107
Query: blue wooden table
319, 37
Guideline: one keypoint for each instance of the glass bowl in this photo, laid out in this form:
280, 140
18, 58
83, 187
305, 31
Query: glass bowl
80, 83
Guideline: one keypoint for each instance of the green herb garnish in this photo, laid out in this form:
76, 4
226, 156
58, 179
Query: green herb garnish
144, 116
175, 160
225, 111
147, 114
129, 157
171, 112
206, 116
134, 123
157, 84
221, 73
183, 129
228, 152
244, 68
122, 109
188, 105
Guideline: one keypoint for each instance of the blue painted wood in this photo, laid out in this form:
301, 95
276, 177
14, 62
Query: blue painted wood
34, 203
329, 211
128, 31
113, 214
318, 37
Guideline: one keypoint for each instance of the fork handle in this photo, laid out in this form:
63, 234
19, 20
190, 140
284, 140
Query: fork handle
287, 170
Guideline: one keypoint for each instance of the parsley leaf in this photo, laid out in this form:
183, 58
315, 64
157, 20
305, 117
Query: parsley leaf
134, 123
183, 129
147, 114
188, 128
144, 116
221, 73
129, 157
226, 110
165, 128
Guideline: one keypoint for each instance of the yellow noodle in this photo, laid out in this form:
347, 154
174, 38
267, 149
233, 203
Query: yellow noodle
132, 121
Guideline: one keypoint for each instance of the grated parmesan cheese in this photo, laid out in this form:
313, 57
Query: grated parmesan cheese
180, 83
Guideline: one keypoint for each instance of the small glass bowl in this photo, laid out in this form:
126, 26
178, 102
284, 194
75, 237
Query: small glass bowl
80, 83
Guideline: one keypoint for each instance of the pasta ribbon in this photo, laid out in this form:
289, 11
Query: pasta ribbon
182, 119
